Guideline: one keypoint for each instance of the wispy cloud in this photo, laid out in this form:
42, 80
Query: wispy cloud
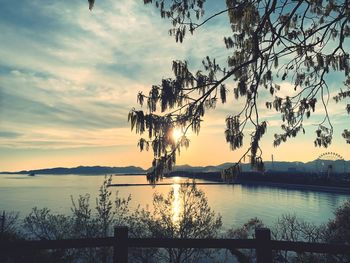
72, 78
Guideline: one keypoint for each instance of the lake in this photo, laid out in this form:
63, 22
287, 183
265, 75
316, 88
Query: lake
235, 203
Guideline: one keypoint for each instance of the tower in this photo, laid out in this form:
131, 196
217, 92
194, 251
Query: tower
273, 165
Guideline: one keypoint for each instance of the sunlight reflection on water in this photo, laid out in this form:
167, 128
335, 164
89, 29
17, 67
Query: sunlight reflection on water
176, 205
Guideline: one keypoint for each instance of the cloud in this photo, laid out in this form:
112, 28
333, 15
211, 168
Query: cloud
9, 134
68, 138
78, 72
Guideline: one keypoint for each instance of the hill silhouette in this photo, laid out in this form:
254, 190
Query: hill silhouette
85, 170
318, 165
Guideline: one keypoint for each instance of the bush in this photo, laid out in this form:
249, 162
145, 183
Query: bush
183, 213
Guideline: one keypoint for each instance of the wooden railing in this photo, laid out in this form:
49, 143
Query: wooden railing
121, 242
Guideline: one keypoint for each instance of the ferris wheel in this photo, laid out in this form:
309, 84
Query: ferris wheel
331, 156
330, 162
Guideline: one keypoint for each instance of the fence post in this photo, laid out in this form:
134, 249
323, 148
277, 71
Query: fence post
264, 248
120, 249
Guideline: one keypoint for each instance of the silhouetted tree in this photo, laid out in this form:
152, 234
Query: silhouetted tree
183, 213
291, 228
83, 222
338, 231
8, 225
299, 42
246, 231
272, 41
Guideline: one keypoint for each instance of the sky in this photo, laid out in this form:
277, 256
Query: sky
69, 77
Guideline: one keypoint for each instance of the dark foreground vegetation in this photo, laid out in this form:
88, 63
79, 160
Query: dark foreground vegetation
182, 213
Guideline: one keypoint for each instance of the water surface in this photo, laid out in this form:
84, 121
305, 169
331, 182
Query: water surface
235, 203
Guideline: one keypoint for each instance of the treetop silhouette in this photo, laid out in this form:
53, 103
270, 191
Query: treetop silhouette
299, 42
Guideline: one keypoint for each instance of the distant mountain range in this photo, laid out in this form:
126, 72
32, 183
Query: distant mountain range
313, 166
85, 170
318, 165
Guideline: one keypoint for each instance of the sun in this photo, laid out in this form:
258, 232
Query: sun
177, 134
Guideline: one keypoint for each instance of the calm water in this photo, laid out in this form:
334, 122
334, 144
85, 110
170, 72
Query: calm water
236, 204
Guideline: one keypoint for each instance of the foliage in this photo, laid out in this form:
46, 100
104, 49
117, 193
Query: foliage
246, 231
338, 231
9, 225
140, 225
339, 228
290, 228
183, 213
84, 222
42, 224
275, 45
346, 135
193, 219
91, 4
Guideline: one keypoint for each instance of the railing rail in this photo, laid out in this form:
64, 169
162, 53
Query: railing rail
121, 242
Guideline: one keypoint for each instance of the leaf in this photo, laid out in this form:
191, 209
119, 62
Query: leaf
91, 4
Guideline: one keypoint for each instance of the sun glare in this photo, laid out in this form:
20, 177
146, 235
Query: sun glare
177, 134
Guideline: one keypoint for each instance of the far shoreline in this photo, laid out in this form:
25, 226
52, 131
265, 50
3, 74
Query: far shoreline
249, 183
314, 188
